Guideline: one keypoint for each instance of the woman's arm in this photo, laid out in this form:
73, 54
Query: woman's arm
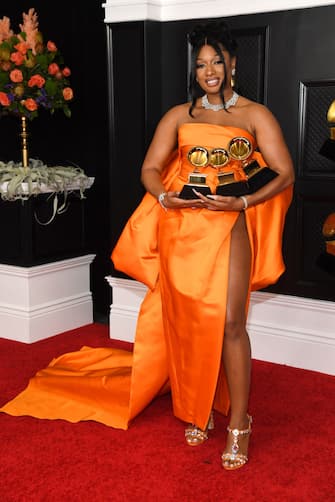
162, 145
273, 147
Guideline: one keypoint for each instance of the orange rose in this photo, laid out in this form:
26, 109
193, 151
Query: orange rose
16, 76
4, 100
17, 58
67, 93
53, 68
36, 80
66, 72
30, 104
51, 46
21, 47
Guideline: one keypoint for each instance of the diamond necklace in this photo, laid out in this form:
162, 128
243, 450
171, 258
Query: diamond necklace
208, 106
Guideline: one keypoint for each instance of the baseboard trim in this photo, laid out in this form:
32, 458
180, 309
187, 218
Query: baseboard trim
283, 329
293, 330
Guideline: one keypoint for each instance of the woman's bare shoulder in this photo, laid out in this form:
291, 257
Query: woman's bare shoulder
257, 115
251, 106
169, 123
177, 113
172, 119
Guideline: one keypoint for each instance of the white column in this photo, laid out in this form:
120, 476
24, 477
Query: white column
44, 300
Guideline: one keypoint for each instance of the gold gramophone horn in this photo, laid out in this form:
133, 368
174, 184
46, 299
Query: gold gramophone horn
331, 119
198, 156
328, 147
240, 148
219, 157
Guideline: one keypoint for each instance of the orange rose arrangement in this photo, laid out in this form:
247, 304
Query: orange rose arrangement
33, 76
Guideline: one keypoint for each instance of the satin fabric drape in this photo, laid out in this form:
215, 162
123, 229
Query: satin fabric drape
183, 258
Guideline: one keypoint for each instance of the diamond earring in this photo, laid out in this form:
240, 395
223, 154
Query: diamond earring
232, 80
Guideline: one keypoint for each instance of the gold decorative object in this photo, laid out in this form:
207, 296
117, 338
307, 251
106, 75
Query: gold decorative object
328, 231
326, 259
328, 147
331, 113
24, 136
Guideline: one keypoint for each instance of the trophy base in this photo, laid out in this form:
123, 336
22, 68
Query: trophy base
187, 191
234, 189
328, 149
257, 177
261, 177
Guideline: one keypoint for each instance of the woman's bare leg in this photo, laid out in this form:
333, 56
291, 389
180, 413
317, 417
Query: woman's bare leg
236, 345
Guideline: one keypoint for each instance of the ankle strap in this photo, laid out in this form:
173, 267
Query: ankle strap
238, 432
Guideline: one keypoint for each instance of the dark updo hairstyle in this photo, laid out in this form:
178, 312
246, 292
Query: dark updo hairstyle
216, 34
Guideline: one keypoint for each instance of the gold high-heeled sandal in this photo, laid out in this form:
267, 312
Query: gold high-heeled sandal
195, 436
234, 459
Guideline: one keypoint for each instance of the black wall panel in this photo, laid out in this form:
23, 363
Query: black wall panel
127, 121
80, 34
315, 98
285, 61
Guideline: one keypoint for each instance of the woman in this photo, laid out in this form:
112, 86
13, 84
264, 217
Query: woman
200, 253
211, 246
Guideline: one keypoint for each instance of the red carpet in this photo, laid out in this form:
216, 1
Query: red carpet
292, 451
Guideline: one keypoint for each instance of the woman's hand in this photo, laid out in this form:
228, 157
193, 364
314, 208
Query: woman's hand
212, 202
220, 202
173, 201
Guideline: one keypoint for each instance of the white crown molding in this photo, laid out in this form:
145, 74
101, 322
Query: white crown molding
173, 10
283, 329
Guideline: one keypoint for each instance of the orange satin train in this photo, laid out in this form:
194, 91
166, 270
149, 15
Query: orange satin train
183, 258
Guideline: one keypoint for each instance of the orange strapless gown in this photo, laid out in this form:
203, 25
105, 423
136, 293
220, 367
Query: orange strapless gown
183, 257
